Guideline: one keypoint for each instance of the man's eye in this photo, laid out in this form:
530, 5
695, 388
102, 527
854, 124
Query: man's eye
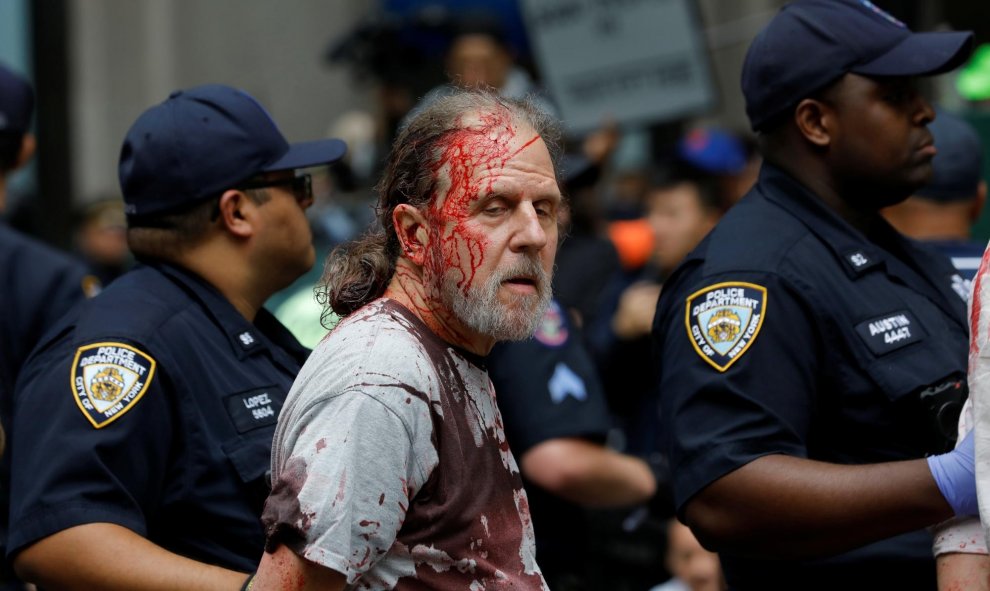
493, 210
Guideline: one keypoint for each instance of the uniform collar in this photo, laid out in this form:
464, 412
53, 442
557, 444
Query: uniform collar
266, 334
856, 253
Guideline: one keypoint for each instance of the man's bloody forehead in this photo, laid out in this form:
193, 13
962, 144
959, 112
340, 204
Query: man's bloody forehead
483, 142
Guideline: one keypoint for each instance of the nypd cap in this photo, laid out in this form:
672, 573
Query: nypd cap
202, 141
812, 43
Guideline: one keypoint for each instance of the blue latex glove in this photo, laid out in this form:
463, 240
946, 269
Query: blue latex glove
955, 476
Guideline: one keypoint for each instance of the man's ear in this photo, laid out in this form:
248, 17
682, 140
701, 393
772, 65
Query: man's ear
413, 232
814, 121
238, 213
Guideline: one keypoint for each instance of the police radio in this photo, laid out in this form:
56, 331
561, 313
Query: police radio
942, 405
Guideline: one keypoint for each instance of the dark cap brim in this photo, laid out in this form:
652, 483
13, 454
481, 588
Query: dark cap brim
307, 154
921, 54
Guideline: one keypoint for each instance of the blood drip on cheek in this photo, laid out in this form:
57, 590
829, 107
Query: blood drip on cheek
465, 154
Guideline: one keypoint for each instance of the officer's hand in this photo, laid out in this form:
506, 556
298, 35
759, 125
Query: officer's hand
634, 316
955, 476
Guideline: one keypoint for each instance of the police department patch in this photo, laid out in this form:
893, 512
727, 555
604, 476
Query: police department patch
108, 379
552, 330
723, 321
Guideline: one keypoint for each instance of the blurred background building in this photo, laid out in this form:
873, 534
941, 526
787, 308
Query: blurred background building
98, 63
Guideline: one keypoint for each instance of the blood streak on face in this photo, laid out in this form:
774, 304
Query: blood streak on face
485, 146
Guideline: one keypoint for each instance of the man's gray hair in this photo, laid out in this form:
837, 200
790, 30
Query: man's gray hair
358, 272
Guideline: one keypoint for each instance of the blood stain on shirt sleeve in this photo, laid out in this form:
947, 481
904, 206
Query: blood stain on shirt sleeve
284, 521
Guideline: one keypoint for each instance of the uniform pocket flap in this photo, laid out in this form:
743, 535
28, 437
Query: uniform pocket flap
911, 370
250, 457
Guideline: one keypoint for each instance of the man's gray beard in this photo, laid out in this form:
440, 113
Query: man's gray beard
481, 310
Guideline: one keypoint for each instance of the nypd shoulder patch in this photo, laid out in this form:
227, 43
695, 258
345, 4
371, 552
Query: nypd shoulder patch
108, 379
552, 330
724, 319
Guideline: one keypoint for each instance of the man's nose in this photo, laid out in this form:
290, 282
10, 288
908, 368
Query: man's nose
530, 233
924, 113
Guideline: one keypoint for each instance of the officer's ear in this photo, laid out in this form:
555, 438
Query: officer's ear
813, 118
411, 227
236, 212
28, 146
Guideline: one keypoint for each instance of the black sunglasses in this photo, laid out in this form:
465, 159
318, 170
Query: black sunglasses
301, 185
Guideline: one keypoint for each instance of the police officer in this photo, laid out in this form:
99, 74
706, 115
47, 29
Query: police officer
809, 355
142, 427
556, 421
38, 284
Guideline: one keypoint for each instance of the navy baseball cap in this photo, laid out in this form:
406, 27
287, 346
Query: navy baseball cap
16, 102
712, 150
958, 163
811, 43
202, 141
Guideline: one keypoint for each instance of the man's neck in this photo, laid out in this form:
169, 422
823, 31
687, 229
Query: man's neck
408, 289
814, 175
233, 280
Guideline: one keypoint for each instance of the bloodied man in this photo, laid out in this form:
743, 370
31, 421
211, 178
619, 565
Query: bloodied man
390, 465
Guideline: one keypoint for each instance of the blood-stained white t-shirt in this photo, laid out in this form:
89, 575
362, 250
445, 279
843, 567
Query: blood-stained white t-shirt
390, 464
966, 535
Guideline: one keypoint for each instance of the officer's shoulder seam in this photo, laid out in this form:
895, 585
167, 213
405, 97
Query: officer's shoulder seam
156, 314
733, 247
143, 335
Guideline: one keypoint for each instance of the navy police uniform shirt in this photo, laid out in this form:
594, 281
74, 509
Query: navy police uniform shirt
38, 284
547, 386
787, 331
546, 389
152, 407
965, 256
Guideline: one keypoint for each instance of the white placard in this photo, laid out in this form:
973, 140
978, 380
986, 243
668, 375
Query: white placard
636, 61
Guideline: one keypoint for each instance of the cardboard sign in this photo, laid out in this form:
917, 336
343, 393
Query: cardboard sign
636, 61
